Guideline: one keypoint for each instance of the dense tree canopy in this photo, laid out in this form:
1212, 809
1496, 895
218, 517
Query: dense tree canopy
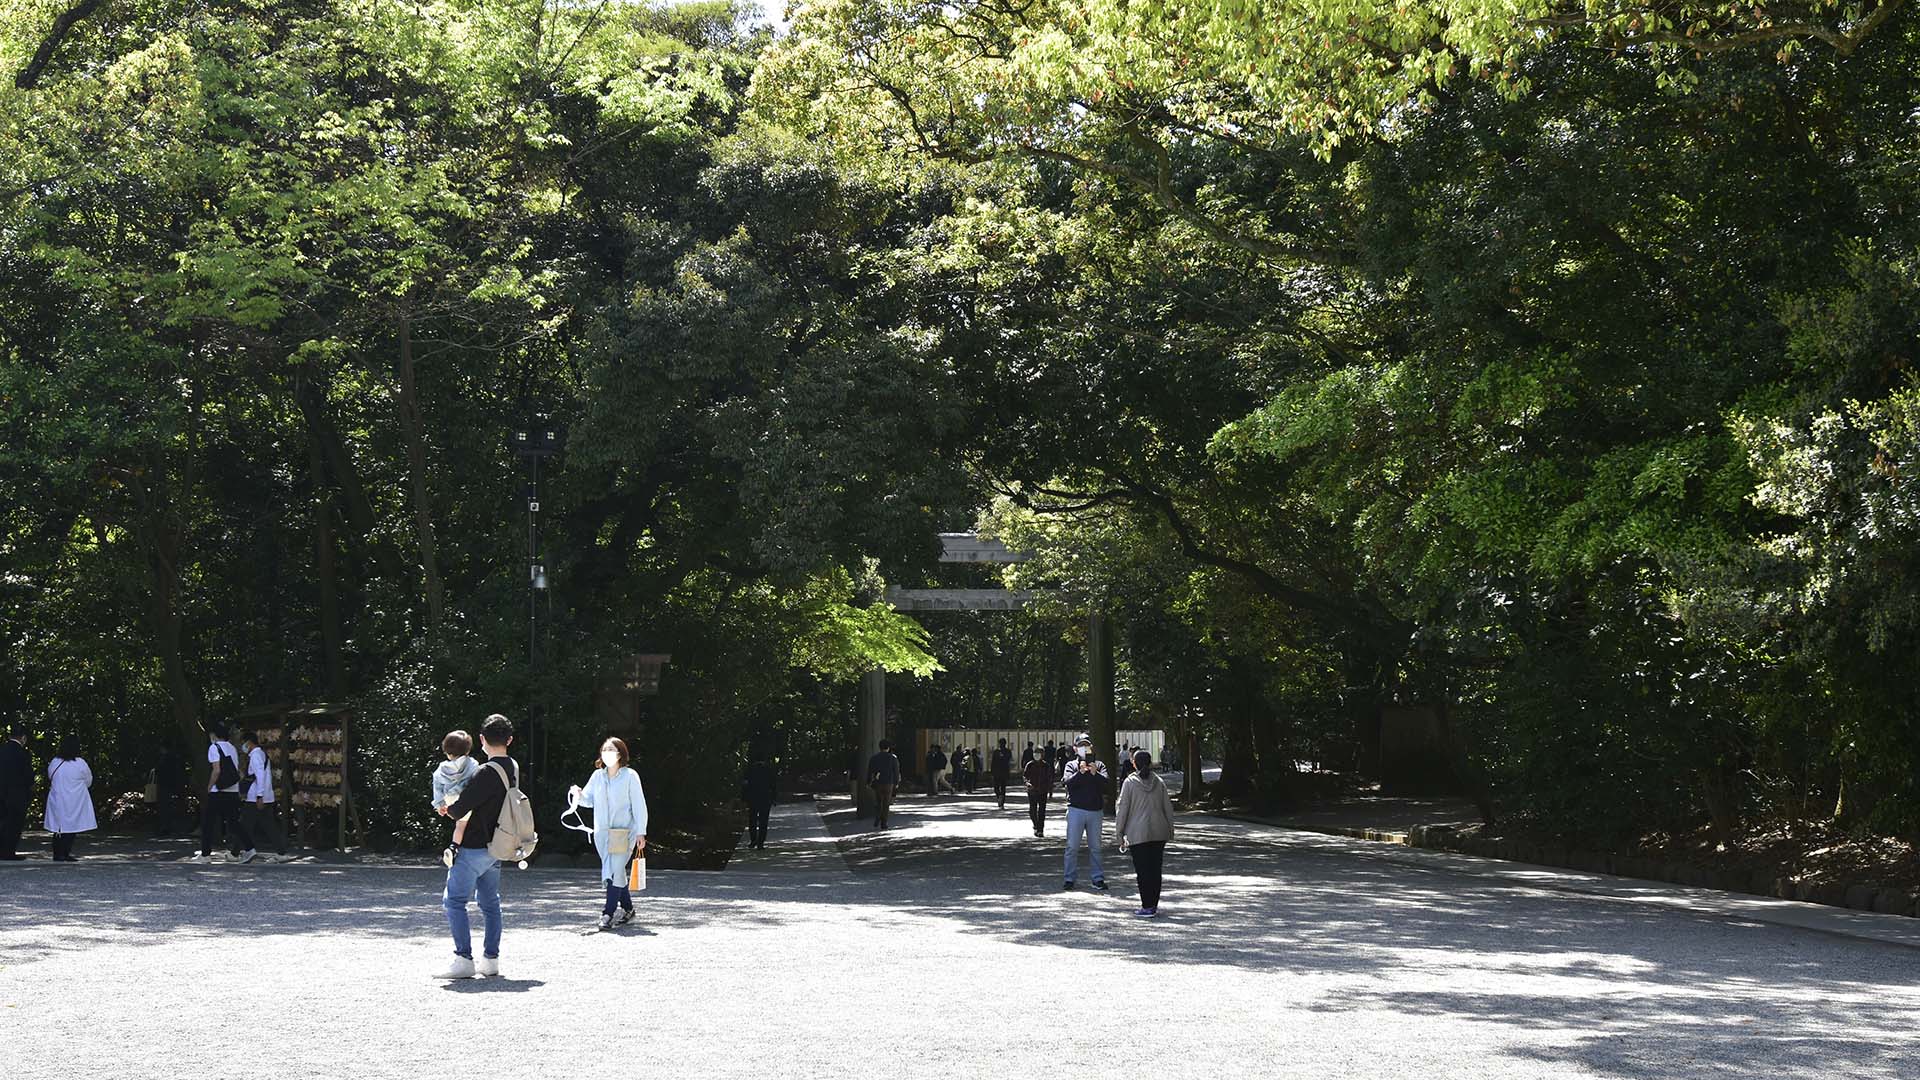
1544, 364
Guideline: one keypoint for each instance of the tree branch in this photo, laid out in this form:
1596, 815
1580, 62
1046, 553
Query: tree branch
29, 76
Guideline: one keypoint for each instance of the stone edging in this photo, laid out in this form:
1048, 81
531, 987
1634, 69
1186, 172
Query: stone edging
1882, 900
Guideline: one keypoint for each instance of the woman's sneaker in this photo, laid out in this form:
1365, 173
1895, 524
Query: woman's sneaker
488, 966
606, 922
626, 916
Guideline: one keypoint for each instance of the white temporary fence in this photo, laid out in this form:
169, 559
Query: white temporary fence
986, 740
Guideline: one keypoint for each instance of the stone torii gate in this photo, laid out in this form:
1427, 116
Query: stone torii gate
970, 548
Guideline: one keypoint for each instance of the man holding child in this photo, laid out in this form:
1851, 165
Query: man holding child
472, 869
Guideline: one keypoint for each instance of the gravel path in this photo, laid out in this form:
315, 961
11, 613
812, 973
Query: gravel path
944, 946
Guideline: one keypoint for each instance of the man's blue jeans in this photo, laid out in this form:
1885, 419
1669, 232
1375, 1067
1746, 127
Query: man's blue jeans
473, 870
1086, 822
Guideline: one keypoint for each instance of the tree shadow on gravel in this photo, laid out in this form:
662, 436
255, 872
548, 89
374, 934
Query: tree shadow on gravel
1639, 991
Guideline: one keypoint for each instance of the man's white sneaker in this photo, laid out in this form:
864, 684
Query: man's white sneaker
248, 856
203, 860
488, 966
458, 968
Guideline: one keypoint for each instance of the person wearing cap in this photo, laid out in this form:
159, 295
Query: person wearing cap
1085, 778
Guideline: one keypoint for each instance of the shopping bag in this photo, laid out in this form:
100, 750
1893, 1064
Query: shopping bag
637, 873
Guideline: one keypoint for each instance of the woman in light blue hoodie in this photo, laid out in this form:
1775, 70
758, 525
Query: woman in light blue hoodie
619, 807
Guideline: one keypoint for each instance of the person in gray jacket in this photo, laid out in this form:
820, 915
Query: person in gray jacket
1143, 820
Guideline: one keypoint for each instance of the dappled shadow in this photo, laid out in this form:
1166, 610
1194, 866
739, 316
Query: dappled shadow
1623, 987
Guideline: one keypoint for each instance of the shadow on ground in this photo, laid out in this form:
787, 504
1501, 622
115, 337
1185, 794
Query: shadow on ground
1638, 989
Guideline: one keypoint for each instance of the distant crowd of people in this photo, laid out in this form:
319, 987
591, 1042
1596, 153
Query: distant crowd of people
1143, 811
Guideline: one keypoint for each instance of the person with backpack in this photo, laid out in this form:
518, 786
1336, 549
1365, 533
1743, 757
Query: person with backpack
220, 807
69, 798
619, 807
500, 827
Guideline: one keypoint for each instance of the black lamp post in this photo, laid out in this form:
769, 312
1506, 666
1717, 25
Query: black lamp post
533, 444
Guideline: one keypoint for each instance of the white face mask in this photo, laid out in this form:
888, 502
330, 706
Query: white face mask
1086, 751
610, 759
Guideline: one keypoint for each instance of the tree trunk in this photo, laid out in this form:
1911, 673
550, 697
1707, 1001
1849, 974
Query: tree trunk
1100, 718
331, 634
1237, 760
417, 468
163, 549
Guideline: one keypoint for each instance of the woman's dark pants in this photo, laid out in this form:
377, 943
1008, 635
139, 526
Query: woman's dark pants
1147, 861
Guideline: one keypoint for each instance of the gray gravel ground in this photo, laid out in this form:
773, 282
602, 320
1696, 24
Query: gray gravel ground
946, 947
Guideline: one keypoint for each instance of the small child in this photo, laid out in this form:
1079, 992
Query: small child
450, 778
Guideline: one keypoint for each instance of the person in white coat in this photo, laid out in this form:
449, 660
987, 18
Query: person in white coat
69, 799
619, 825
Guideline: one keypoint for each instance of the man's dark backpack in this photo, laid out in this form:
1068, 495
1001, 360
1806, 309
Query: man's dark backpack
228, 773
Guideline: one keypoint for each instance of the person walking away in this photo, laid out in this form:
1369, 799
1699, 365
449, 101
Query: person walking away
1039, 777
474, 869
170, 784
757, 790
1050, 755
1029, 755
1002, 771
16, 791
1143, 820
1085, 778
1126, 763
619, 825
261, 816
220, 808
69, 798
883, 776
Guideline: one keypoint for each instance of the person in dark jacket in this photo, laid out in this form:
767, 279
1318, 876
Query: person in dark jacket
1039, 776
1002, 772
756, 790
474, 868
1086, 783
883, 775
1030, 754
16, 791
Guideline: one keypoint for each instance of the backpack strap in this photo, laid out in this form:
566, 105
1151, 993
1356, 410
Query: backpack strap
507, 783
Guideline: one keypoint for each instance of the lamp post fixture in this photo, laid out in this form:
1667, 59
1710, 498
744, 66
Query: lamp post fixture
533, 444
